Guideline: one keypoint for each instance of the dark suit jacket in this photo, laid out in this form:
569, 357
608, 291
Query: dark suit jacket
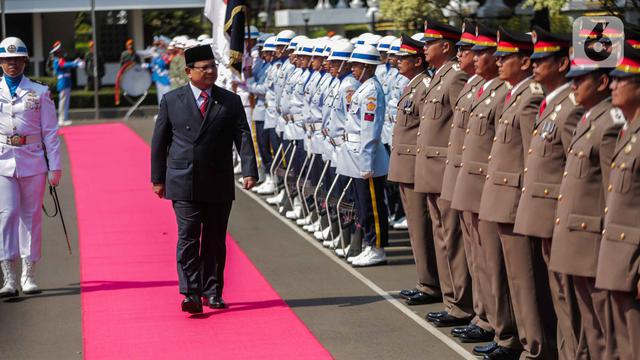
194, 157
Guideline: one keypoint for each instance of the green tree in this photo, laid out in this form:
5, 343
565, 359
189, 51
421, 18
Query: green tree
176, 22
410, 14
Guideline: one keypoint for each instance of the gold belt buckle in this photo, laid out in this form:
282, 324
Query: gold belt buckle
17, 140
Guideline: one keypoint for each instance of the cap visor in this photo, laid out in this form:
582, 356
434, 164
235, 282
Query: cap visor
573, 73
621, 74
540, 55
481, 47
464, 43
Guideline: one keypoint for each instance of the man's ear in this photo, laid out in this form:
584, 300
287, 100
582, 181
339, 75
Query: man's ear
419, 62
564, 64
603, 81
525, 63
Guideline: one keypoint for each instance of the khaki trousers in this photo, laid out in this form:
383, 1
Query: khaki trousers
421, 236
571, 341
626, 324
498, 305
529, 287
480, 292
595, 312
452, 263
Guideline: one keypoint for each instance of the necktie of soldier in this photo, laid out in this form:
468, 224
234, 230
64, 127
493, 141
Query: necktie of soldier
542, 107
506, 100
205, 102
480, 91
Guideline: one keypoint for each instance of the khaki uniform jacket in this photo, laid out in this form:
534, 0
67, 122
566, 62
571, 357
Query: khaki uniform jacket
403, 150
581, 203
619, 261
461, 111
477, 146
501, 193
435, 126
544, 165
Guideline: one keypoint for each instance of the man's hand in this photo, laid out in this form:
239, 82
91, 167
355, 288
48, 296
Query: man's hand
158, 189
248, 182
54, 177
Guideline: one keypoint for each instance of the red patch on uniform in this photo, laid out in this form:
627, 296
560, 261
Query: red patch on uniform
369, 117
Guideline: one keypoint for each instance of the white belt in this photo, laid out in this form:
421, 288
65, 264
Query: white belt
20, 140
316, 126
352, 137
297, 117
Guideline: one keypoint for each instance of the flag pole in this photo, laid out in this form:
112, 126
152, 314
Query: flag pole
96, 80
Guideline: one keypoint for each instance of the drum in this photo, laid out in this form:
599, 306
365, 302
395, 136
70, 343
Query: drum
135, 80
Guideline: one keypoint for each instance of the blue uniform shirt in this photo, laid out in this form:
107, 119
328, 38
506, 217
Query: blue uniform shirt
62, 70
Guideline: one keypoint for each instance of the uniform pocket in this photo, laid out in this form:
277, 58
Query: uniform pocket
435, 152
479, 123
624, 234
506, 128
507, 179
477, 168
545, 191
623, 178
409, 150
579, 162
578, 222
436, 105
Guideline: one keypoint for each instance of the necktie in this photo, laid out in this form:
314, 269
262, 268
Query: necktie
205, 102
542, 107
584, 118
480, 91
506, 100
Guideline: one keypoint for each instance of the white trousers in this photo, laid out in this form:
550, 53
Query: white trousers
63, 104
162, 89
21, 217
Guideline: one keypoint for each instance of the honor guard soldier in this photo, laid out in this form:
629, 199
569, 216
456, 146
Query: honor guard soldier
62, 71
581, 202
544, 165
365, 159
618, 263
433, 136
413, 67
479, 329
525, 271
29, 149
487, 103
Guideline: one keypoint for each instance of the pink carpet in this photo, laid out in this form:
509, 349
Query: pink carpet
130, 300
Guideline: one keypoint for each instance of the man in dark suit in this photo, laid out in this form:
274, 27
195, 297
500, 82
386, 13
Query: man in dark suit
191, 165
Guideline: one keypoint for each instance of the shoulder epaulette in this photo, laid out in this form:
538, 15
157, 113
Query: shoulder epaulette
617, 116
572, 97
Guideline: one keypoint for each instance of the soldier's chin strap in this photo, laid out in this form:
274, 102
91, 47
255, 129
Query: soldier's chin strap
57, 211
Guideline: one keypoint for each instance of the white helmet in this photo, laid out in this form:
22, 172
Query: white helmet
320, 45
341, 51
372, 39
253, 31
13, 47
305, 47
203, 36
284, 37
418, 36
207, 41
365, 54
337, 37
395, 46
360, 40
190, 43
294, 42
385, 43
269, 44
327, 48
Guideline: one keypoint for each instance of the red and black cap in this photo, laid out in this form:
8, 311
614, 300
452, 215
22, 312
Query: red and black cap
485, 38
546, 43
630, 64
468, 37
434, 30
632, 36
513, 43
410, 47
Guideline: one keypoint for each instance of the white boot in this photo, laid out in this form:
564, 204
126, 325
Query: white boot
276, 199
401, 224
362, 254
62, 123
238, 169
341, 253
296, 212
10, 286
375, 256
268, 187
28, 281
304, 221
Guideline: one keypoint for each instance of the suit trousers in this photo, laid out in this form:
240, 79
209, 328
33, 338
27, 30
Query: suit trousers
481, 293
201, 250
595, 313
571, 341
499, 306
421, 237
626, 324
529, 288
371, 210
453, 271
21, 217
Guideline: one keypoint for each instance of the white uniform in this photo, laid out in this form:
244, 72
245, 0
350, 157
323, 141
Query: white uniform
23, 169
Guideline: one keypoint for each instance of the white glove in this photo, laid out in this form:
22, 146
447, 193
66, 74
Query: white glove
367, 175
81, 64
54, 177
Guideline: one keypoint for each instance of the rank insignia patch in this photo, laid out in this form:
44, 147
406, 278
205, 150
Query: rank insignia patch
369, 116
371, 106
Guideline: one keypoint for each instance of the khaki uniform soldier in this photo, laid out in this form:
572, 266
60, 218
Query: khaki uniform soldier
501, 195
544, 166
411, 64
433, 135
487, 104
618, 260
581, 202
479, 328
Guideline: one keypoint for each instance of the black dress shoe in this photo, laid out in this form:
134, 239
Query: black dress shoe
435, 315
458, 331
485, 349
477, 334
502, 353
192, 304
407, 293
450, 320
216, 302
421, 298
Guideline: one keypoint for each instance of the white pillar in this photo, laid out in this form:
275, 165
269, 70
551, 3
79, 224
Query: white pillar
138, 29
37, 57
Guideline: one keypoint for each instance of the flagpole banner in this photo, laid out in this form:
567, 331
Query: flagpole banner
234, 22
